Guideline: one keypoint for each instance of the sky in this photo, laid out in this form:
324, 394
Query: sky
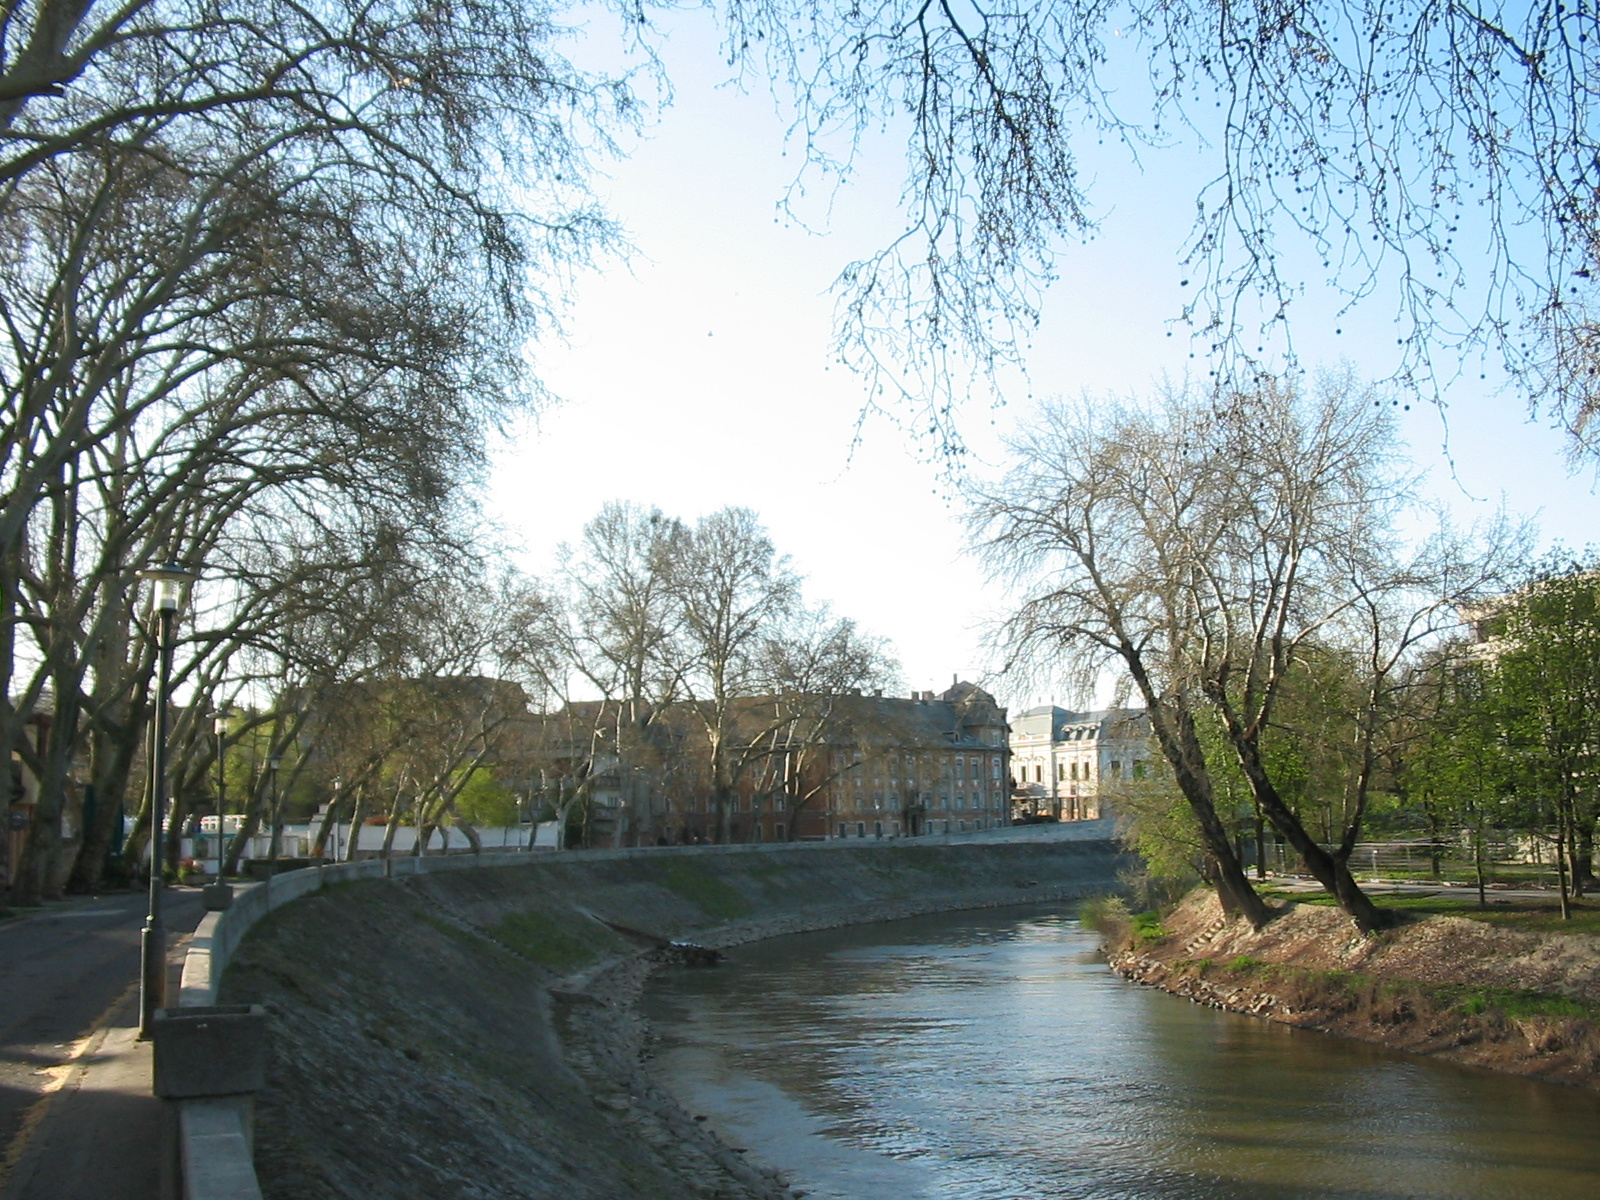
697, 374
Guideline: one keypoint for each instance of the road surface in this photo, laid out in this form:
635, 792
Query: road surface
77, 1119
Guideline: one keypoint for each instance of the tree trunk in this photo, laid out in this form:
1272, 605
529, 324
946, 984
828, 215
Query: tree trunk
329, 819
1583, 881
254, 808
358, 814
1176, 736
470, 831
1331, 871
389, 829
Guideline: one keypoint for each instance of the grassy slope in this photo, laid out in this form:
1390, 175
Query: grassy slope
415, 1046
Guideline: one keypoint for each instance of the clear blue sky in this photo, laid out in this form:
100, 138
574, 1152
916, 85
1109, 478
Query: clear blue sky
698, 374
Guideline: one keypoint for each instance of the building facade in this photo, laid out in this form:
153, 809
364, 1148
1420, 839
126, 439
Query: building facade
907, 767
797, 767
1062, 761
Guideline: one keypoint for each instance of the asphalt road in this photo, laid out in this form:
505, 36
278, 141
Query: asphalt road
76, 1116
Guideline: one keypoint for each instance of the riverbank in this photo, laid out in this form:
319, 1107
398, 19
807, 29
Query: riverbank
1483, 995
471, 1033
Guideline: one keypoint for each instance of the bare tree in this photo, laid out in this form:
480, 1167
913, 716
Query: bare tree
1101, 525
1215, 544
812, 666
1436, 156
730, 587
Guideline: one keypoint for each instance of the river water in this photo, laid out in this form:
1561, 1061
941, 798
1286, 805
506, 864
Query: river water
989, 1056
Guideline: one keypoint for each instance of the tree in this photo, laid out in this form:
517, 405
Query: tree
1458, 768
730, 587
1101, 525
810, 666
178, 184
1546, 668
1213, 546
1438, 153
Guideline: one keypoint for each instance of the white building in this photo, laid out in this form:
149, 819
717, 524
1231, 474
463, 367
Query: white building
1061, 759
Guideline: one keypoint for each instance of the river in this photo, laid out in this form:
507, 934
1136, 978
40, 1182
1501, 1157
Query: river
991, 1056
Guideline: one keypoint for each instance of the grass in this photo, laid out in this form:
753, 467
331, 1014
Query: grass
705, 891
536, 936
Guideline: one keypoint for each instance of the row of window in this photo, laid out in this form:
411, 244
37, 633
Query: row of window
880, 829
1076, 771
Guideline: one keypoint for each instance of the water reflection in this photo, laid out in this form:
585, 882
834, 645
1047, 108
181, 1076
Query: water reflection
992, 1057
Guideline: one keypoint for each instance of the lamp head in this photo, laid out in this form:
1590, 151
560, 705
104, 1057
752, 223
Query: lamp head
219, 724
169, 580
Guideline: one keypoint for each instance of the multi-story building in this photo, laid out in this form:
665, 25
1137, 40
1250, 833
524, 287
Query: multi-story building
1062, 761
801, 768
908, 767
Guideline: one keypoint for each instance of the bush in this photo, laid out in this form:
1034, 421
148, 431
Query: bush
1109, 917
1147, 927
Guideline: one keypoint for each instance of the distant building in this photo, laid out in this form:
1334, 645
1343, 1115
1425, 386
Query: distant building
907, 767
811, 767
1061, 760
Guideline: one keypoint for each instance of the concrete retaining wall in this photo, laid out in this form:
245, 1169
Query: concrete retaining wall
390, 986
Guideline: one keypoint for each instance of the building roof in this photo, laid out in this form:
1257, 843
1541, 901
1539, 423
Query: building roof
1058, 724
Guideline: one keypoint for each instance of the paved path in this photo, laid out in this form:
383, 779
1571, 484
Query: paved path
1455, 891
77, 1119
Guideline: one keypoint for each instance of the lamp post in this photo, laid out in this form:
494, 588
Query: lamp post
217, 894
168, 581
274, 761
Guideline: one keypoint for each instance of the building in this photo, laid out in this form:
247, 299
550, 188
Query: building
1062, 760
908, 767
803, 767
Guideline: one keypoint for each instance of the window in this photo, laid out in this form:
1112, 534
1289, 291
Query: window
1038, 774
1139, 769
778, 832
1116, 769
877, 829
1061, 772
844, 830
861, 829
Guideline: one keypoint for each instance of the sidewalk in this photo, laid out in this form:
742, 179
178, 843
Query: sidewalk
83, 1124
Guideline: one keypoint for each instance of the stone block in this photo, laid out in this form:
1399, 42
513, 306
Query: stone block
214, 1051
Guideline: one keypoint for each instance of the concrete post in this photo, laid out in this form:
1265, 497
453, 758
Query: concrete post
212, 1060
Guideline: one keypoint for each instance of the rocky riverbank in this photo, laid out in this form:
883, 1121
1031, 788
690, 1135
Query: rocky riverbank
472, 1033
1451, 987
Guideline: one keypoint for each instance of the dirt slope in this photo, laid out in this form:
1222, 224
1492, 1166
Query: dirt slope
1447, 986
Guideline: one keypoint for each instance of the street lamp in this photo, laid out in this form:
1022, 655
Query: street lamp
217, 894
168, 581
274, 761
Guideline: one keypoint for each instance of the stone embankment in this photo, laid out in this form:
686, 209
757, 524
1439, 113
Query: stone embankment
471, 1033
1450, 987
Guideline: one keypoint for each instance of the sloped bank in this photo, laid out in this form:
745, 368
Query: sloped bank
1450, 987
470, 1033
